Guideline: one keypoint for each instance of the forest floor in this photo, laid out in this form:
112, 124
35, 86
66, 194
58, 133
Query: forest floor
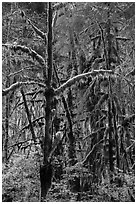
96, 193
21, 183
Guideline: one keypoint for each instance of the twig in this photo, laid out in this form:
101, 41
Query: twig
21, 142
33, 122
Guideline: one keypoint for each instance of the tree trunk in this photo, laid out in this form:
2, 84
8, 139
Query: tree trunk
72, 152
46, 169
46, 172
111, 161
69, 115
7, 113
6, 127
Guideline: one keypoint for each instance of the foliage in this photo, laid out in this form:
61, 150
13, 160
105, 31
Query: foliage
23, 186
20, 178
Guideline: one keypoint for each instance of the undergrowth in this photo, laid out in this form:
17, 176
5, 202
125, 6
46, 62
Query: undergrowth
21, 184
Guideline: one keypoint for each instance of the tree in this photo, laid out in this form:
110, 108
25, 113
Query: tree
98, 77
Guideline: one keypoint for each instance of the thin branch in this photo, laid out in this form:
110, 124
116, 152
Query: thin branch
24, 69
10, 154
15, 73
29, 116
21, 142
90, 153
33, 122
41, 117
94, 38
122, 38
86, 29
38, 92
93, 133
132, 73
37, 30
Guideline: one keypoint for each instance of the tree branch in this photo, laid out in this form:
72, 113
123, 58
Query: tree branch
16, 85
31, 67
29, 116
37, 30
19, 143
33, 122
90, 153
27, 50
94, 38
122, 38
71, 81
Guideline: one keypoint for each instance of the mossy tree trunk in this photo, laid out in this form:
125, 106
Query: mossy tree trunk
46, 168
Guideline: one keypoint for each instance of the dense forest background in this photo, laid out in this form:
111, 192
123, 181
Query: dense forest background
68, 105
